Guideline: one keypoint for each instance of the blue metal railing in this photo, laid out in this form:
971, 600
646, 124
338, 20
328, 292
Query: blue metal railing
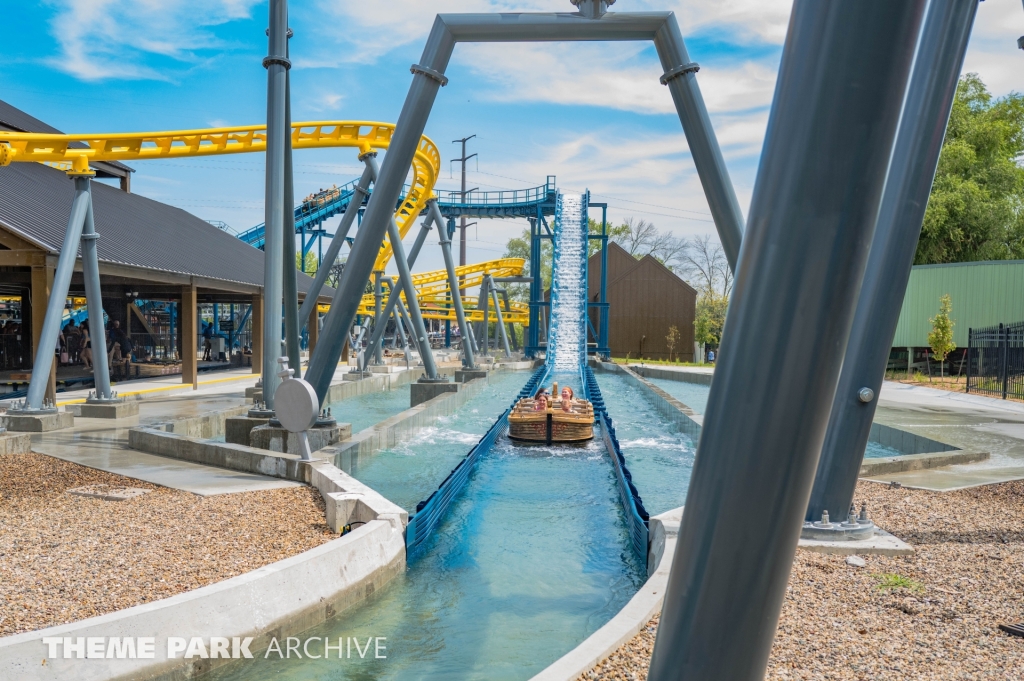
309, 215
432, 511
453, 197
636, 515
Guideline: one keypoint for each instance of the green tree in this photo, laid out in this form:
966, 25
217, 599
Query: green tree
519, 247
940, 338
710, 318
616, 233
671, 339
312, 263
976, 208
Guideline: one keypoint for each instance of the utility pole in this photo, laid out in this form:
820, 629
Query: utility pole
462, 219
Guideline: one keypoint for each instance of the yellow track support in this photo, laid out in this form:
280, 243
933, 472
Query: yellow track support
365, 136
432, 290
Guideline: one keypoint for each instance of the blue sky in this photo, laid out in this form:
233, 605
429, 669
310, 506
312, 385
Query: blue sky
594, 115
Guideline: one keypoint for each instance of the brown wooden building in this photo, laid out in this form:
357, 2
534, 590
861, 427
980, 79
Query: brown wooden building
645, 299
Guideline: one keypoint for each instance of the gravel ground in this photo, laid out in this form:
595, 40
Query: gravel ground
838, 622
65, 558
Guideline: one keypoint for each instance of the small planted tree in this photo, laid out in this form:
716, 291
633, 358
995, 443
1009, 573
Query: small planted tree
940, 339
671, 339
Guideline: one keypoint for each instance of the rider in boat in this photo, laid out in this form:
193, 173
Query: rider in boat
567, 398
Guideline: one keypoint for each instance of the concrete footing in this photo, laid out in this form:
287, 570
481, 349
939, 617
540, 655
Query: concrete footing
15, 443
280, 440
385, 369
238, 428
37, 423
252, 391
464, 375
356, 375
109, 410
421, 392
881, 544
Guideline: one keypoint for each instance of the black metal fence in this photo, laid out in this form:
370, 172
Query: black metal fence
995, 360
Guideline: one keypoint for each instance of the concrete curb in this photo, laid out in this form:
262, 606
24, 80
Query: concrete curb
391, 431
15, 443
916, 462
634, 616
277, 600
682, 416
700, 377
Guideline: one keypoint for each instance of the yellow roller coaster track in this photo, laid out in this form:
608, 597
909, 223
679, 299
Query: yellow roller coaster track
432, 291
432, 287
365, 136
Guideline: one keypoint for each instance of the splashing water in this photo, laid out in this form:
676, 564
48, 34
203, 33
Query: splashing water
567, 338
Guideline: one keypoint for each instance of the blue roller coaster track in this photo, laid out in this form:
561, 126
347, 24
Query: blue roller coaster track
534, 203
311, 215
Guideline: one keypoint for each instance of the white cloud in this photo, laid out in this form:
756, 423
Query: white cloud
993, 52
101, 39
617, 76
743, 20
645, 175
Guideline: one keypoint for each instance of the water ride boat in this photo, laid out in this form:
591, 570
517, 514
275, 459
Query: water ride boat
560, 419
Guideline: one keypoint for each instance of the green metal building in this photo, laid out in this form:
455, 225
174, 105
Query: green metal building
983, 294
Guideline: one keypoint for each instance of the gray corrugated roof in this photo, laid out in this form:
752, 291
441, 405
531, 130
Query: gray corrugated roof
13, 118
35, 202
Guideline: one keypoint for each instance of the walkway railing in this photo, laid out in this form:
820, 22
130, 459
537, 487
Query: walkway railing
636, 515
431, 511
995, 360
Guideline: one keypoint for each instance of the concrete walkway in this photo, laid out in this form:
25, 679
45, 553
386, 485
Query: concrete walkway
103, 443
965, 420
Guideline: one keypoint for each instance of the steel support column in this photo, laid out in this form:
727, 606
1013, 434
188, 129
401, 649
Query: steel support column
378, 296
501, 321
289, 272
944, 39
277, 64
393, 294
830, 135
359, 192
417, 328
43, 363
94, 296
482, 303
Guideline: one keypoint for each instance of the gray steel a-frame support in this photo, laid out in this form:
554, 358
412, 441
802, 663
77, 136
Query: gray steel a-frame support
497, 313
944, 39
93, 299
277, 64
359, 192
483, 304
80, 230
841, 84
445, 241
379, 318
428, 76
393, 295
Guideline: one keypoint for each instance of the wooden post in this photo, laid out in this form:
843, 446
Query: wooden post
189, 336
42, 286
257, 333
314, 329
